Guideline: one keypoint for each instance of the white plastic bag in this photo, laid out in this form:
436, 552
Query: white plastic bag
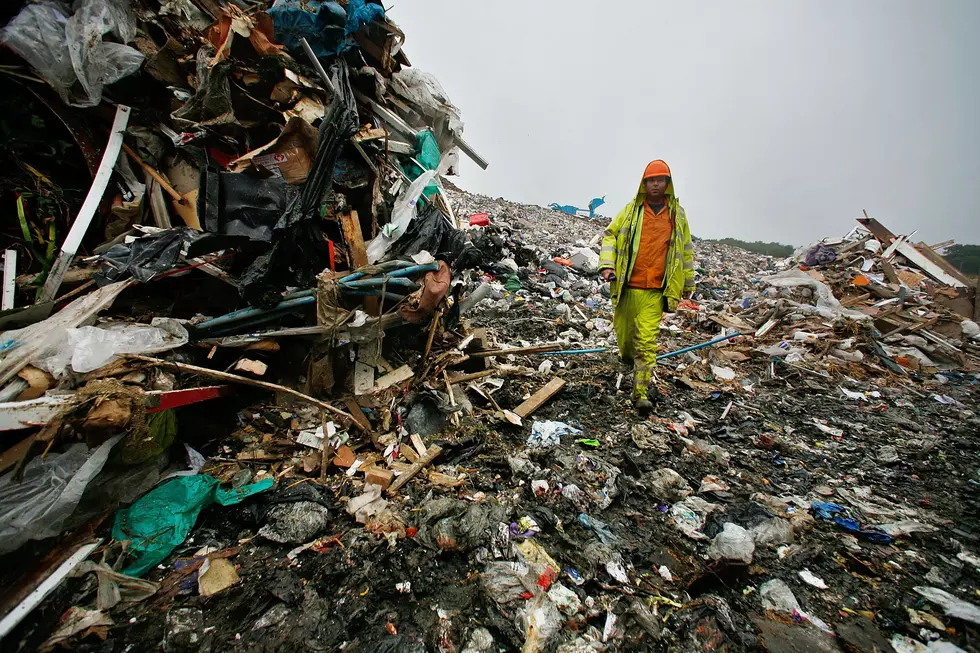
93, 347
402, 214
88, 348
37, 34
98, 62
776, 595
826, 301
36, 506
67, 49
733, 543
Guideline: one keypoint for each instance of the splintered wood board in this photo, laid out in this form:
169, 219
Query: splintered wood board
539, 398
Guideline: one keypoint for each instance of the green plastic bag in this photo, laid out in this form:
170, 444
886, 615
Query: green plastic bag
513, 283
163, 517
427, 153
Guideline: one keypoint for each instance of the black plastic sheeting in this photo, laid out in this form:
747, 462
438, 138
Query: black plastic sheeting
240, 204
431, 231
428, 231
146, 257
300, 249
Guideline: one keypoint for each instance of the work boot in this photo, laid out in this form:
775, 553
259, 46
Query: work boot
643, 405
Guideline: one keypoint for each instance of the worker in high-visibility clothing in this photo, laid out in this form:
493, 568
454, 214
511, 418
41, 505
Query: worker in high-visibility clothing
648, 259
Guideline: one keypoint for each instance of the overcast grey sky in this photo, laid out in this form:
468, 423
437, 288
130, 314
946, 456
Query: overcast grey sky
780, 119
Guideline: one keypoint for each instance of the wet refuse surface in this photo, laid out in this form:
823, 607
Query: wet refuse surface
356, 592
357, 408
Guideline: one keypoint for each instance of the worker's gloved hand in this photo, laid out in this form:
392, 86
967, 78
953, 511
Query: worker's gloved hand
608, 274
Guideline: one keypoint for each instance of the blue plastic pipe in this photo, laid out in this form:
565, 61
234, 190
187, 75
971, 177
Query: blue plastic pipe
383, 267
701, 346
301, 298
376, 282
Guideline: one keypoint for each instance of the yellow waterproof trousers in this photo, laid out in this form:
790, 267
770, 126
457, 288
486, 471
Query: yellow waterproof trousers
637, 323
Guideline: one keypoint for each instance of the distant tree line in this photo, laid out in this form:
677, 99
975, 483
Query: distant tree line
965, 258
758, 247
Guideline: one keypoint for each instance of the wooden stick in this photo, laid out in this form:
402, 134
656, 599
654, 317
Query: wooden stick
416, 467
234, 378
432, 335
428, 347
452, 398
323, 452
157, 177
466, 378
536, 349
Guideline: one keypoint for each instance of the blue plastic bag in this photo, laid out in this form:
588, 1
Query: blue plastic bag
838, 514
326, 26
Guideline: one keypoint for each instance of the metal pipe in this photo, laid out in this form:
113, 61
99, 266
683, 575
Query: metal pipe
318, 67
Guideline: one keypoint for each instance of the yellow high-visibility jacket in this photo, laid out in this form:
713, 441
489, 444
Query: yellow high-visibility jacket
621, 241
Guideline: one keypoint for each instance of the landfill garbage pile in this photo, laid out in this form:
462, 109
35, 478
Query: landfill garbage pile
345, 405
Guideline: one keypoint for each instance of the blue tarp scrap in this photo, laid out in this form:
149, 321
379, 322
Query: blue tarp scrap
361, 12
327, 26
838, 514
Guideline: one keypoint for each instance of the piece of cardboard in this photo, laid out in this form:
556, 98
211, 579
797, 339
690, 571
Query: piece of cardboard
289, 155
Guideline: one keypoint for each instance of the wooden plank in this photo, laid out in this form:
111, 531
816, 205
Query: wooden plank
855, 300
890, 252
35, 412
358, 414
877, 229
351, 226
186, 397
11, 456
46, 586
403, 373
408, 453
405, 477
418, 444
889, 271
539, 398
445, 480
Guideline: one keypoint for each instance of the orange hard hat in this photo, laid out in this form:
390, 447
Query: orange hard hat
657, 168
